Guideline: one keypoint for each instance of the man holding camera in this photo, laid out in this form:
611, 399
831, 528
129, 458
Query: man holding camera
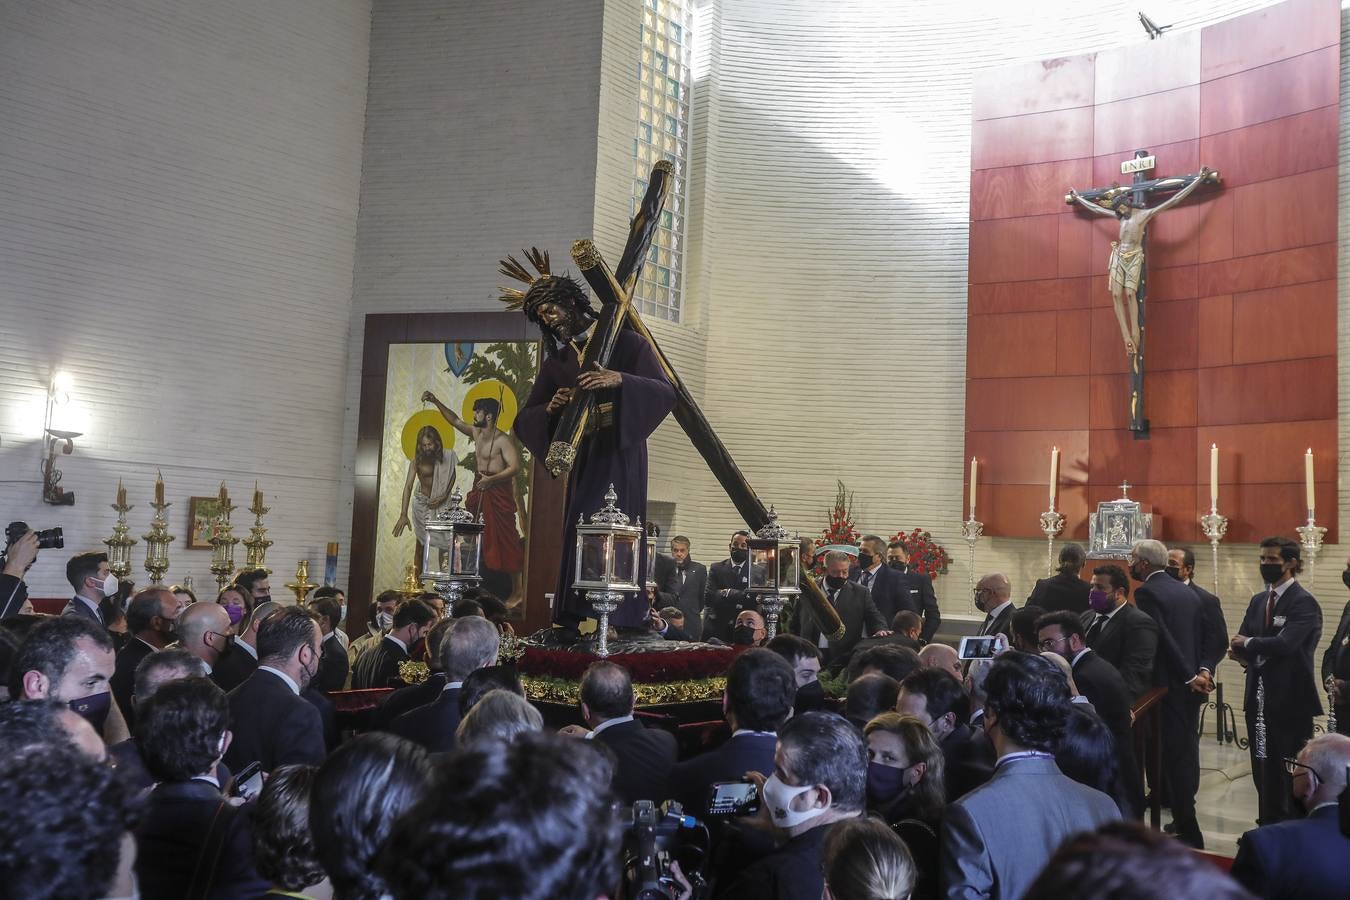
18, 557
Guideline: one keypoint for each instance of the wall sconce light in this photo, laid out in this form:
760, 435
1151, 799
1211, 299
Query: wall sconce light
58, 394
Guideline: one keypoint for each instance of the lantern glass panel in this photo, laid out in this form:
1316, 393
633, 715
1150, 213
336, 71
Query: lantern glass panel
625, 558
435, 559
788, 568
467, 553
594, 563
763, 569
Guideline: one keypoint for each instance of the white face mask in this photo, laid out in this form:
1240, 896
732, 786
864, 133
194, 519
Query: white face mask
110, 585
342, 616
385, 621
779, 797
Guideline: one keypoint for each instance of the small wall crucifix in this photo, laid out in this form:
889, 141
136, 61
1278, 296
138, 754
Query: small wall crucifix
1126, 270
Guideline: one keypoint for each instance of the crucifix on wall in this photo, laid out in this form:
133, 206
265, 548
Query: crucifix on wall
1127, 273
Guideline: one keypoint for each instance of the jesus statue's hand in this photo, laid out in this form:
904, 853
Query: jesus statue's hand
401, 525
561, 397
599, 378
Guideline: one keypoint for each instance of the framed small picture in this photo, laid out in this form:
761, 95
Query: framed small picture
202, 512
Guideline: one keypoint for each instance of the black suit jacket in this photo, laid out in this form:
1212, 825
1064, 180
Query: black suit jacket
1064, 591
273, 725
233, 668
378, 666
1177, 610
893, 591
123, 680
793, 871
1213, 630
721, 612
126, 759
857, 612
1002, 624
1336, 659
643, 760
432, 725
192, 844
1101, 683
691, 779
1128, 641
1301, 859
1282, 655
76, 607
13, 592
968, 759
689, 595
333, 665
408, 698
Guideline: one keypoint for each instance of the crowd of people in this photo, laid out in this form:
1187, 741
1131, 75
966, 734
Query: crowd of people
164, 746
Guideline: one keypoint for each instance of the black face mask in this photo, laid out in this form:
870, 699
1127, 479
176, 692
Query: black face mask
836, 581
744, 635
1137, 573
865, 560
898, 566
739, 554
1174, 571
1271, 572
809, 697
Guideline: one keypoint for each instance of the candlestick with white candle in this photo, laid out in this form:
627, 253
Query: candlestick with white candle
974, 478
1213, 476
1308, 478
1054, 475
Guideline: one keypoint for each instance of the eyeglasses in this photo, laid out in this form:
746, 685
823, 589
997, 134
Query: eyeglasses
1292, 766
1050, 643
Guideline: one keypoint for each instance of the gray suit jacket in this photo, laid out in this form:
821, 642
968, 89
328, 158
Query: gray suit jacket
997, 838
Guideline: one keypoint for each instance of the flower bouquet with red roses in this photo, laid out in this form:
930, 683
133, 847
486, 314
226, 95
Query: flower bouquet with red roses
926, 556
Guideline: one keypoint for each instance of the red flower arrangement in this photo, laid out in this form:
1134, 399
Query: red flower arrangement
840, 530
656, 666
926, 556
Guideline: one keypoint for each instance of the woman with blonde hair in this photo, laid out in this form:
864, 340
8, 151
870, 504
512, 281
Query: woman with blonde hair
865, 860
905, 788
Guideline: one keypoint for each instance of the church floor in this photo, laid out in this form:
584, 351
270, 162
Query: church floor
1226, 801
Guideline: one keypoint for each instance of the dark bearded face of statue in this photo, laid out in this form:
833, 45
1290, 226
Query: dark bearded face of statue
558, 320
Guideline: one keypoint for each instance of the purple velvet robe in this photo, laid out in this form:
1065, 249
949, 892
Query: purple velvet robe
616, 455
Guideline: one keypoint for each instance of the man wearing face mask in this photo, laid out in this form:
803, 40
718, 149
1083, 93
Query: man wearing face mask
750, 630
1336, 665
273, 723
993, 597
152, 616
894, 585
333, 668
726, 595
203, 630
804, 658
1214, 627
855, 608
1306, 858
819, 778
380, 619
240, 661
88, 574
935, 698
338, 596
378, 667
255, 582
70, 660
1123, 635
1276, 642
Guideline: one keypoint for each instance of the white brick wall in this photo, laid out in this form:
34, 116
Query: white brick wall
178, 195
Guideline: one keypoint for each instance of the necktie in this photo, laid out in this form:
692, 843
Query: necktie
1270, 608
1096, 627
867, 580
681, 577
988, 623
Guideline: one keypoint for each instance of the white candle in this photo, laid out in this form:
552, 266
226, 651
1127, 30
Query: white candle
1308, 478
1054, 474
974, 476
1213, 476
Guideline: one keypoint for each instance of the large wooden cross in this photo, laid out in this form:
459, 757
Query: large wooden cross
1127, 269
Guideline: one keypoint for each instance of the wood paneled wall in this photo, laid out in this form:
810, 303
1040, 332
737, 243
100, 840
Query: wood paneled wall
1241, 318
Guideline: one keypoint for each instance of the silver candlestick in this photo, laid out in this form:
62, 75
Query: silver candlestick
1259, 729
1052, 523
603, 603
972, 530
1214, 527
1310, 536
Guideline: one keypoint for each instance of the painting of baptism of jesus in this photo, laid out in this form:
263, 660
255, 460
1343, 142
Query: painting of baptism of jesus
449, 410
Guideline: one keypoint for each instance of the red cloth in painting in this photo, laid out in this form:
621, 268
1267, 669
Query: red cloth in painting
501, 540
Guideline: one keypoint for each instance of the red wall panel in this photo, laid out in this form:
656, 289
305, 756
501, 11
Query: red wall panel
1241, 322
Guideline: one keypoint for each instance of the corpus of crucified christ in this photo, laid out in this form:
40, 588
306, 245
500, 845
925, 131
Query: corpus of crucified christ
684, 449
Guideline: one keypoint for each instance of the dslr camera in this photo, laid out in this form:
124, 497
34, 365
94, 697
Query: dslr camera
651, 837
48, 538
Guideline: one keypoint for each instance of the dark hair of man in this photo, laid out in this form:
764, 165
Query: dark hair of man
1116, 575
9, 648
50, 647
906, 620
681, 539
494, 609
389, 596
889, 659
872, 539
26, 724
941, 691
870, 695
144, 606
1289, 550
249, 578
1072, 558
1030, 697
84, 565
361, 790
1128, 861
178, 730
898, 545
823, 748
672, 613
328, 608
736, 534
327, 590
480, 682
539, 791
283, 848
1068, 622
489, 405
792, 648
284, 632
434, 638
161, 667
1087, 751
65, 816
607, 689
465, 607
761, 688
1187, 557
1023, 623
413, 612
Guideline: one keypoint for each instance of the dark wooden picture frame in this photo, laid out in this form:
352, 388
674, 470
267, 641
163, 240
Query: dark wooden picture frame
546, 500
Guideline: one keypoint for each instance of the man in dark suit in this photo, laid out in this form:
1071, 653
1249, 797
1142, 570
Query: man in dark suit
1304, 859
643, 757
470, 644
333, 664
156, 670
240, 661
1177, 610
1063, 590
687, 582
409, 697
1124, 636
191, 841
916, 589
151, 617
1100, 682
935, 697
1336, 665
89, 575
273, 724
761, 687
1214, 627
855, 608
378, 666
725, 595
1276, 642
993, 597
890, 589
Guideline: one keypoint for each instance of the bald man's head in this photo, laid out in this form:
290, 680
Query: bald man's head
941, 656
203, 631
